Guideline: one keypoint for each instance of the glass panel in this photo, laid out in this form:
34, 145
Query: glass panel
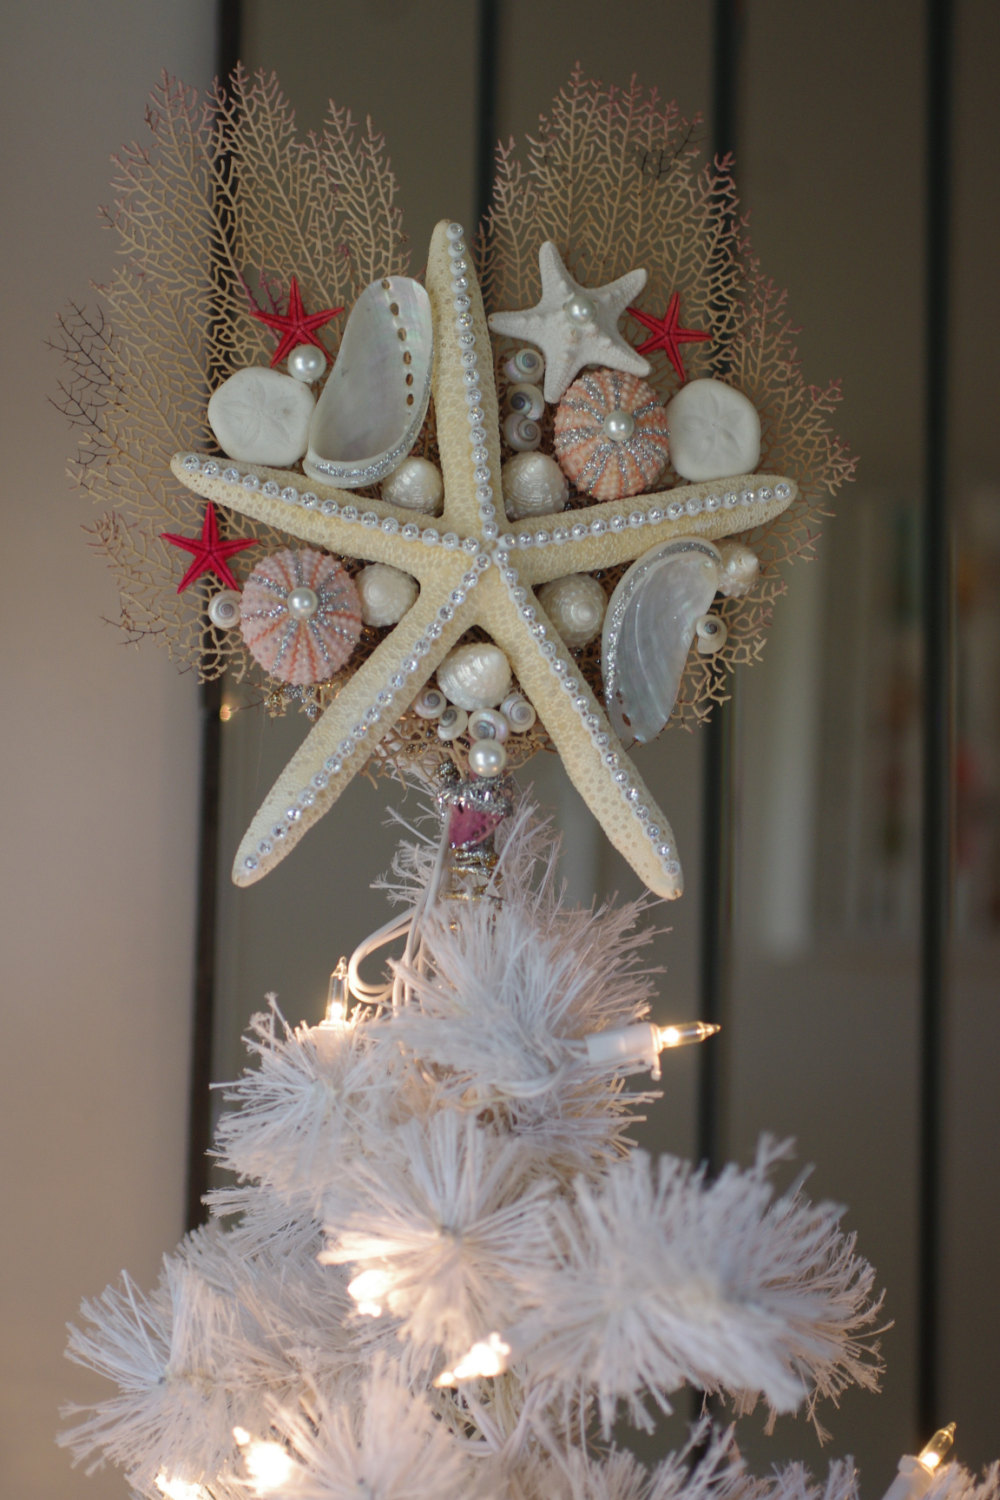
827, 761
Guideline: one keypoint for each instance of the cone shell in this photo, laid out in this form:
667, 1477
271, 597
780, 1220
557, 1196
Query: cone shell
599, 465
293, 649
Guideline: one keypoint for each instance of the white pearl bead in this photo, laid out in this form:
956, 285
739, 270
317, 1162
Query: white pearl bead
710, 634
533, 485
224, 609
487, 724
714, 431
452, 723
619, 426
415, 485
580, 309
302, 603
518, 712
386, 593
306, 363
475, 676
576, 605
487, 758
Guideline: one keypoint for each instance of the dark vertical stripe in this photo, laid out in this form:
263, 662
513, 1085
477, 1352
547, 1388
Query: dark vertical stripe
227, 43
228, 35
715, 935
486, 104
717, 831
203, 1017
937, 705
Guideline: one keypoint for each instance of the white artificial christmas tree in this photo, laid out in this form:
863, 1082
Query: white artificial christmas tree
444, 1270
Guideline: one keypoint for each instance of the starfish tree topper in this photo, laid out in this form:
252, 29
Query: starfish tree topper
474, 569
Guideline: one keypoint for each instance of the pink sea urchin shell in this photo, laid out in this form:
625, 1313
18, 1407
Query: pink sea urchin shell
611, 435
300, 615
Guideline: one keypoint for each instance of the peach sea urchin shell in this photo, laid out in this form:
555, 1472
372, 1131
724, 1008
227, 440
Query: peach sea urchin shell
300, 615
611, 435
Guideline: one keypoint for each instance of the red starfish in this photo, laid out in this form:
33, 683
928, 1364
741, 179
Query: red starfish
667, 333
296, 326
209, 551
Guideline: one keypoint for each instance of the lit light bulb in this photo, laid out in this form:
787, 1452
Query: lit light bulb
687, 1031
932, 1454
644, 1042
337, 996
178, 1489
268, 1463
484, 1360
368, 1290
225, 714
915, 1475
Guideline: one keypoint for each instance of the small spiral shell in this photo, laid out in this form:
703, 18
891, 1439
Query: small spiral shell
431, 703
452, 723
518, 712
526, 400
224, 609
525, 364
487, 724
710, 633
522, 433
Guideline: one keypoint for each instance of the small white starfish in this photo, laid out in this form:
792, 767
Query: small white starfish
474, 568
575, 325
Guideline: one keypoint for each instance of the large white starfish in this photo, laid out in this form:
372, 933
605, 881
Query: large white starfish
474, 568
575, 325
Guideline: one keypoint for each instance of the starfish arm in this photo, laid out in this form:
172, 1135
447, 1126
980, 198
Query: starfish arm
458, 464
341, 742
629, 527
594, 758
620, 293
356, 528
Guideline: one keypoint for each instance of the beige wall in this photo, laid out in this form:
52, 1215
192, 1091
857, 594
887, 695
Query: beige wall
99, 746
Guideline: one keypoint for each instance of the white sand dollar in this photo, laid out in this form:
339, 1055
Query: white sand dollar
714, 431
262, 417
476, 675
386, 593
533, 485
